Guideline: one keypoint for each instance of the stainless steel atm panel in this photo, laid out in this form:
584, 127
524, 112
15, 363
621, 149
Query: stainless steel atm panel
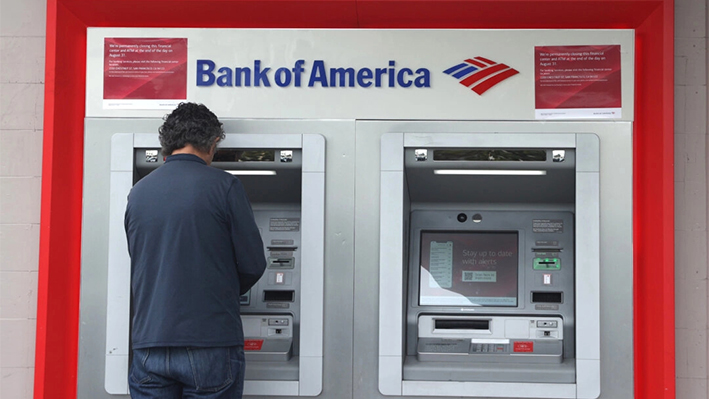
271, 309
276, 171
490, 296
489, 265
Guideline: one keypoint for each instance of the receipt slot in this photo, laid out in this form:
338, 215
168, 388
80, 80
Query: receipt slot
284, 178
489, 265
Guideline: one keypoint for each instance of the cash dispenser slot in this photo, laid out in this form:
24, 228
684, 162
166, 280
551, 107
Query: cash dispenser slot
278, 296
547, 297
458, 324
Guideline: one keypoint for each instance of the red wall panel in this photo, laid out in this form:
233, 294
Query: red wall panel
60, 238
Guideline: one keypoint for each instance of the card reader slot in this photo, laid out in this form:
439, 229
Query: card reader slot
278, 296
462, 324
551, 249
281, 263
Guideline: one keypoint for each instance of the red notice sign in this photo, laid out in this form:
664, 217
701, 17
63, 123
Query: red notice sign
523, 346
577, 82
145, 69
253, 344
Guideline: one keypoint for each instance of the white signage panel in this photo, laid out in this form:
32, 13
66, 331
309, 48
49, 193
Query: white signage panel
350, 74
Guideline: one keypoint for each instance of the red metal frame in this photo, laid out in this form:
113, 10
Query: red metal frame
60, 239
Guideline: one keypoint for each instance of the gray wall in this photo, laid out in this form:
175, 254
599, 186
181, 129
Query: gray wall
691, 197
22, 31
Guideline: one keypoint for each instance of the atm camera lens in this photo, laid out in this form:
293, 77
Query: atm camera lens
462, 217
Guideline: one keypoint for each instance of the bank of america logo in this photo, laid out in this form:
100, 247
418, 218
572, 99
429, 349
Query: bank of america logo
480, 74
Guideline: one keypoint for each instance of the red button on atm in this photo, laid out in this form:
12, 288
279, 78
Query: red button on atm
253, 344
524, 346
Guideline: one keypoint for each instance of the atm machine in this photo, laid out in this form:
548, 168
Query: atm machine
489, 265
284, 178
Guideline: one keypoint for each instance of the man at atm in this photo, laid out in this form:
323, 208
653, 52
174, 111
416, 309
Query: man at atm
195, 248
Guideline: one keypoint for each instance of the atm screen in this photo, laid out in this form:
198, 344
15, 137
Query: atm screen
469, 268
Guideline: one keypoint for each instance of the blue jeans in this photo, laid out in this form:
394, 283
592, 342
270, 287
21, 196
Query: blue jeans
179, 372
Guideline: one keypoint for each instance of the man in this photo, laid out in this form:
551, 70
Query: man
195, 248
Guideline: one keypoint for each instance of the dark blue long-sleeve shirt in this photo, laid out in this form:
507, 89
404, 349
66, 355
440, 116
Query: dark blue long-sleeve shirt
194, 249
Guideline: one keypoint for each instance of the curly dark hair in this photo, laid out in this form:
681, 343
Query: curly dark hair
190, 123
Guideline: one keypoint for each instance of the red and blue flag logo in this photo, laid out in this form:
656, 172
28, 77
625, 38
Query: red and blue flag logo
480, 74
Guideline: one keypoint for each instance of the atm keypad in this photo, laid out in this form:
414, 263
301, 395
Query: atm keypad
488, 348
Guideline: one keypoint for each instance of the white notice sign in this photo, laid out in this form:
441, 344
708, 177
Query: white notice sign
441, 265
